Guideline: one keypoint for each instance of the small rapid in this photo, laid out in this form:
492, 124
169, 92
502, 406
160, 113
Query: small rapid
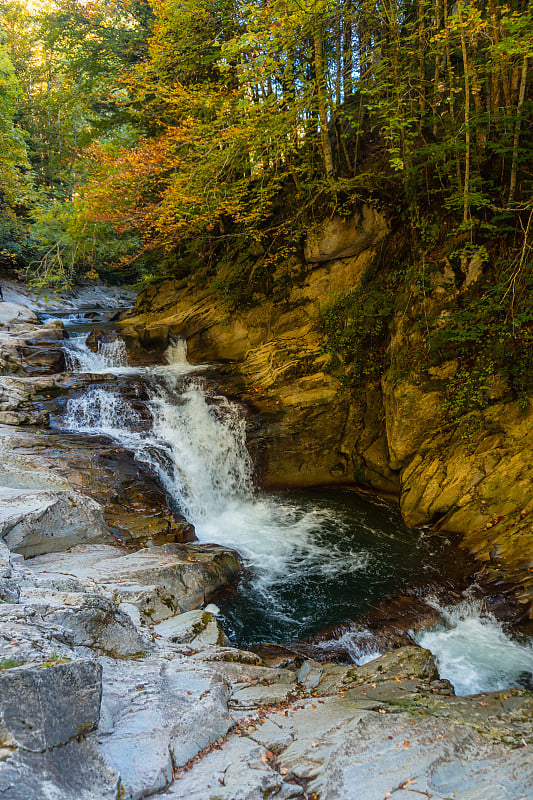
108, 356
473, 650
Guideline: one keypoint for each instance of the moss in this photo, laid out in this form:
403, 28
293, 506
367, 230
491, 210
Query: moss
9, 663
121, 657
55, 661
200, 626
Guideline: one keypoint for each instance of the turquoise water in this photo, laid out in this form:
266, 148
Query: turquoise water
364, 553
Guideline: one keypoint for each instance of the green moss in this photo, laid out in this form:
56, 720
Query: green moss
9, 663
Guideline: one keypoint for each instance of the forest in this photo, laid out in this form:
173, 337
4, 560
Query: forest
203, 138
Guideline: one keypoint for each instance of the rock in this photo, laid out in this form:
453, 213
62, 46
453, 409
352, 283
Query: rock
194, 627
157, 714
48, 706
94, 338
37, 522
47, 715
342, 238
159, 581
9, 590
42, 360
135, 508
84, 620
17, 401
15, 314
474, 269
444, 371
240, 771
412, 414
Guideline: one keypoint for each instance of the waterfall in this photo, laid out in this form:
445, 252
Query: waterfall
195, 442
306, 560
108, 356
196, 445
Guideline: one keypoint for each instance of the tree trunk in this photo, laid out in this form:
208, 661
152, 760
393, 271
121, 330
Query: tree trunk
466, 182
321, 94
521, 96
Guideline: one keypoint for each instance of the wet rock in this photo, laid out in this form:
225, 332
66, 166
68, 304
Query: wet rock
94, 338
42, 360
134, 506
18, 400
37, 522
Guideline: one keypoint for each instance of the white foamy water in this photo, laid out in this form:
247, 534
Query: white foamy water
112, 358
109, 355
474, 652
196, 444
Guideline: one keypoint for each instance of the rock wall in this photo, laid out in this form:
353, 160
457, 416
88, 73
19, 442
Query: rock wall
395, 438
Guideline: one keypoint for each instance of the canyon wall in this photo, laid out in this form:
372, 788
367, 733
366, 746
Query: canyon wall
470, 474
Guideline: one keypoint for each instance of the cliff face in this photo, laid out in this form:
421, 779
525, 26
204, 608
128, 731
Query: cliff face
469, 473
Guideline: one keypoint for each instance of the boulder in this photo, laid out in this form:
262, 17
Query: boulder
47, 716
84, 620
42, 707
343, 238
15, 314
94, 338
194, 627
43, 359
36, 522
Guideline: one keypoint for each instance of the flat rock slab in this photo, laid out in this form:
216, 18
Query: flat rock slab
160, 581
339, 751
158, 713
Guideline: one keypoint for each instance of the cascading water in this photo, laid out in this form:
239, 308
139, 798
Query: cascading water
468, 647
313, 561
109, 355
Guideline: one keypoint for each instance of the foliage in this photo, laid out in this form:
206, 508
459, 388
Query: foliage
355, 327
199, 132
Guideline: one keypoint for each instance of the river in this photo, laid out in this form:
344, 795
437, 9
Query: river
313, 559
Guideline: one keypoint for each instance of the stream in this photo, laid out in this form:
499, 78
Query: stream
313, 559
